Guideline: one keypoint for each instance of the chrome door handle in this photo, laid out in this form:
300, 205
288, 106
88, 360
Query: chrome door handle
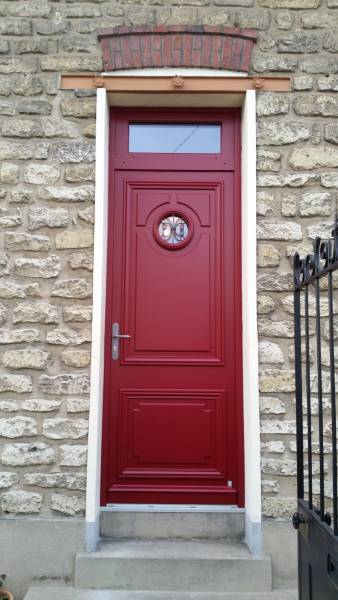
116, 340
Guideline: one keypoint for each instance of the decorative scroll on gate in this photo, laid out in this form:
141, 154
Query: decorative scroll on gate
316, 331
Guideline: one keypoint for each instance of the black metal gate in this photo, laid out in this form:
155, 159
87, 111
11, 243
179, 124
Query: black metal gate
316, 330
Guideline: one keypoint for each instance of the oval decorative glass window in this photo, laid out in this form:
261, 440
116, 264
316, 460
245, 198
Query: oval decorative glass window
173, 230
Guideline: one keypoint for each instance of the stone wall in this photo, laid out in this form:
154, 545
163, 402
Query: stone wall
46, 219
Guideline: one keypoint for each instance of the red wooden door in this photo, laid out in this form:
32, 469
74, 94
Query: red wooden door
173, 406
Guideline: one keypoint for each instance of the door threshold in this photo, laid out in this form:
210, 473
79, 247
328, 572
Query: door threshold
228, 508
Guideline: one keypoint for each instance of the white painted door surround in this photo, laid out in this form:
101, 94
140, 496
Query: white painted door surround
249, 311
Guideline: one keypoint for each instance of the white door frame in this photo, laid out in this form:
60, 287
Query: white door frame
249, 320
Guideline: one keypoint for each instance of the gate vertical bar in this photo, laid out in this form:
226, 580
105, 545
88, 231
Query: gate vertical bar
333, 405
308, 391
298, 381
320, 402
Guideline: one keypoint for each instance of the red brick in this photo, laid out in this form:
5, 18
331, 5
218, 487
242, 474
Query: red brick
156, 42
166, 51
236, 53
156, 58
246, 56
196, 58
145, 51
206, 51
135, 42
197, 42
187, 47
126, 52
226, 53
118, 61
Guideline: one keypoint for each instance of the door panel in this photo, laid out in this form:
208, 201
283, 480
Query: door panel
172, 411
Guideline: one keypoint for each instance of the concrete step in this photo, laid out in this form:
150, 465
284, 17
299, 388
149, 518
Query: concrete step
175, 565
162, 524
70, 593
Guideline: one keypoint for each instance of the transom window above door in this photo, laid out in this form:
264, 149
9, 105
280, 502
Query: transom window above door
175, 138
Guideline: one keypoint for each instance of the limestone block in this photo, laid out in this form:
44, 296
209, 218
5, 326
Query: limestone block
60, 428
10, 217
278, 466
55, 26
28, 85
15, 383
70, 481
315, 204
76, 358
283, 329
41, 216
15, 427
53, 127
273, 447
77, 313
20, 502
279, 133
77, 405
314, 105
12, 26
268, 160
79, 174
80, 238
270, 353
24, 455
313, 158
40, 405
272, 104
81, 261
302, 82
322, 229
16, 336
72, 288
7, 479
276, 380
81, 108
267, 255
275, 282
294, 4
35, 312
286, 427
5, 86
265, 304
87, 214
252, 19
289, 205
38, 267
279, 230
29, 358
71, 63
265, 203
78, 43
74, 153
15, 242
292, 180
329, 180
9, 406
21, 196
73, 456
85, 193
22, 151
41, 174
274, 63
271, 406
270, 486
68, 505
319, 64
298, 44
328, 83
279, 508
6, 108
9, 173
9, 289
33, 46
22, 128
30, 9
318, 20
65, 384
34, 106
4, 265
68, 337
331, 133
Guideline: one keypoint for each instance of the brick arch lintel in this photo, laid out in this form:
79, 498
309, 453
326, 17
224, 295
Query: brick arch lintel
204, 46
